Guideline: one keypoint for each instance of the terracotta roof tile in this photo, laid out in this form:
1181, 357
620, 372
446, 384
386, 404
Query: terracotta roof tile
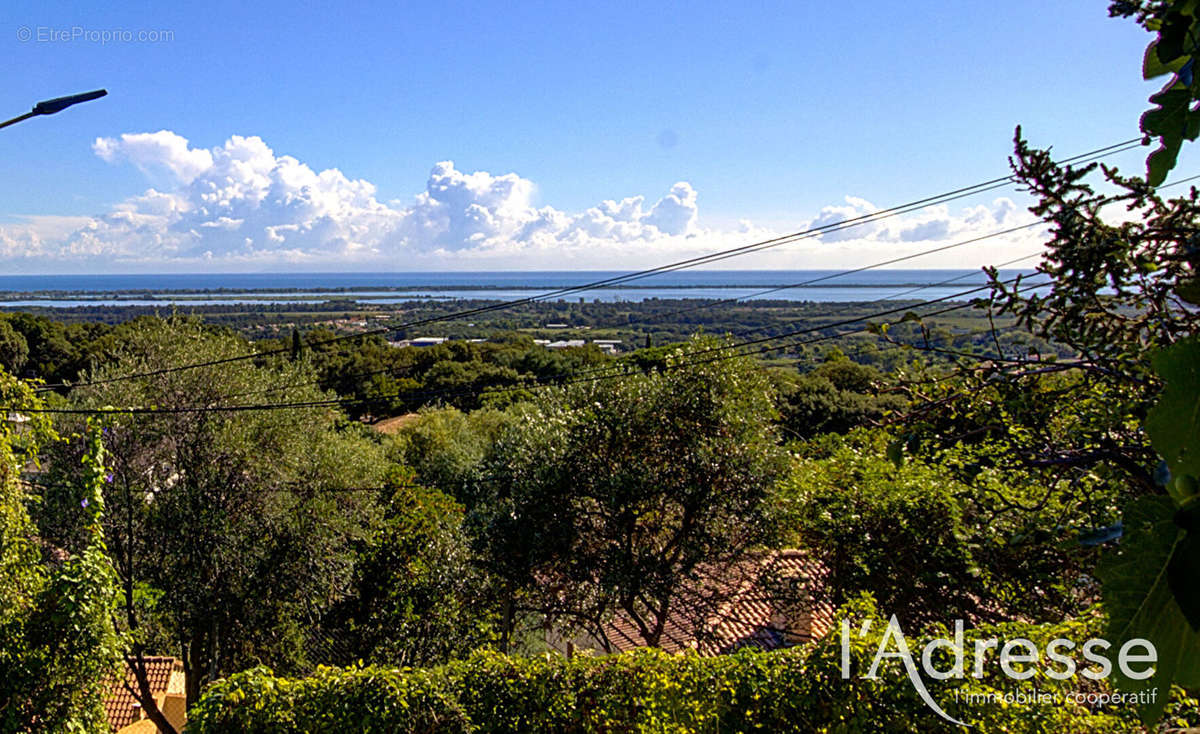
768, 600
119, 702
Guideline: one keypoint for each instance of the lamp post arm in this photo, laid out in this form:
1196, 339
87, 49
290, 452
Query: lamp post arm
15, 120
58, 104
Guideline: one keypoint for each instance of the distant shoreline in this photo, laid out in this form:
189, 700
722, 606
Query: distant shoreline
383, 292
31, 290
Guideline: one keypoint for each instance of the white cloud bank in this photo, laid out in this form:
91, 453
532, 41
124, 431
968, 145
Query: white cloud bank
241, 207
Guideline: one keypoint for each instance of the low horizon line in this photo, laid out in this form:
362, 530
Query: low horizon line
468, 272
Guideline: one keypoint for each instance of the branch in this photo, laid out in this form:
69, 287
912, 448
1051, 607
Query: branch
144, 695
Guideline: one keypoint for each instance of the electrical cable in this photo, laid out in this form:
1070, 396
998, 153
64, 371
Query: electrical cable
638, 275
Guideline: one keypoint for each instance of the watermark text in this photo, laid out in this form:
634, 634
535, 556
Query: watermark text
84, 34
1018, 659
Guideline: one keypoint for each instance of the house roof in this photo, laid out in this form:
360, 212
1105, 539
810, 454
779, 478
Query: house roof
119, 702
768, 600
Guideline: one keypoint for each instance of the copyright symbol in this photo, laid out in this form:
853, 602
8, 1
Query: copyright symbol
24, 34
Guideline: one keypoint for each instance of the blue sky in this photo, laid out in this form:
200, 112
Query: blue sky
769, 114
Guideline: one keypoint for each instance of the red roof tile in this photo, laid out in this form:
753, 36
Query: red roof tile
119, 702
768, 600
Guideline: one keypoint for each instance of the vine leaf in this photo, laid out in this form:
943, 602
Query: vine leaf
1172, 118
1174, 428
1172, 34
1183, 577
1153, 66
1140, 604
1174, 422
1172, 121
1151, 584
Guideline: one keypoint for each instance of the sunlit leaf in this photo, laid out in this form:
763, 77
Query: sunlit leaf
1153, 67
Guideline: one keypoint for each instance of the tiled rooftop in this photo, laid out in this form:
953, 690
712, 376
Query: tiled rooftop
119, 702
769, 601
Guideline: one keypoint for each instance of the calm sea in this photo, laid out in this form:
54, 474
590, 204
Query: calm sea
205, 289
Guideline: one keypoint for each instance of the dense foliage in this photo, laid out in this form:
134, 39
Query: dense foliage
379, 379
798, 690
1122, 294
416, 597
836, 396
58, 643
227, 537
928, 546
608, 495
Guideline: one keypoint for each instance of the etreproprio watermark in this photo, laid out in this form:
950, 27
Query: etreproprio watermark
1135, 659
84, 34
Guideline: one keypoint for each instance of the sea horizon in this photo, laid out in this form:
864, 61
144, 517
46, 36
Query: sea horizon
197, 289
417, 278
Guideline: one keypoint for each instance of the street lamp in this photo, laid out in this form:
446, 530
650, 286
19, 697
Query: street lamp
58, 104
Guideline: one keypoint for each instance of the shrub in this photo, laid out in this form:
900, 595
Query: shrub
795, 690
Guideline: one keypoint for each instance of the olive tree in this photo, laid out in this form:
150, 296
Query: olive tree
607, 496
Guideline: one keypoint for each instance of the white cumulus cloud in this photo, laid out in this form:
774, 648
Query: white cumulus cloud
240, 205
156, 152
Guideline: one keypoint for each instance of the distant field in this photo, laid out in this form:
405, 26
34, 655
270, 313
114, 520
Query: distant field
390, 426
632, 323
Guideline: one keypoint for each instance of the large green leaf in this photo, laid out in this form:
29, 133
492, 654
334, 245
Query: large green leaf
1140, 603
1183, 575
1175, 50
1174, 422
1174, 428
1152, 66
1161, 161
1167, 121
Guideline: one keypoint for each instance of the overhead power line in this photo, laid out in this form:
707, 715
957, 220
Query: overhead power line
659, 317
825, 326
615, 371
774, 289
304, 488
638, 275
852, 271
847, 322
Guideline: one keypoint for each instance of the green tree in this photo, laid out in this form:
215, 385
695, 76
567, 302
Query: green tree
1117, 293
464, 383
1076, 427
417, 598
447, 447
606, 496
835, 397
232, 531
14, 350
51, 353
57, 643
926, 545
